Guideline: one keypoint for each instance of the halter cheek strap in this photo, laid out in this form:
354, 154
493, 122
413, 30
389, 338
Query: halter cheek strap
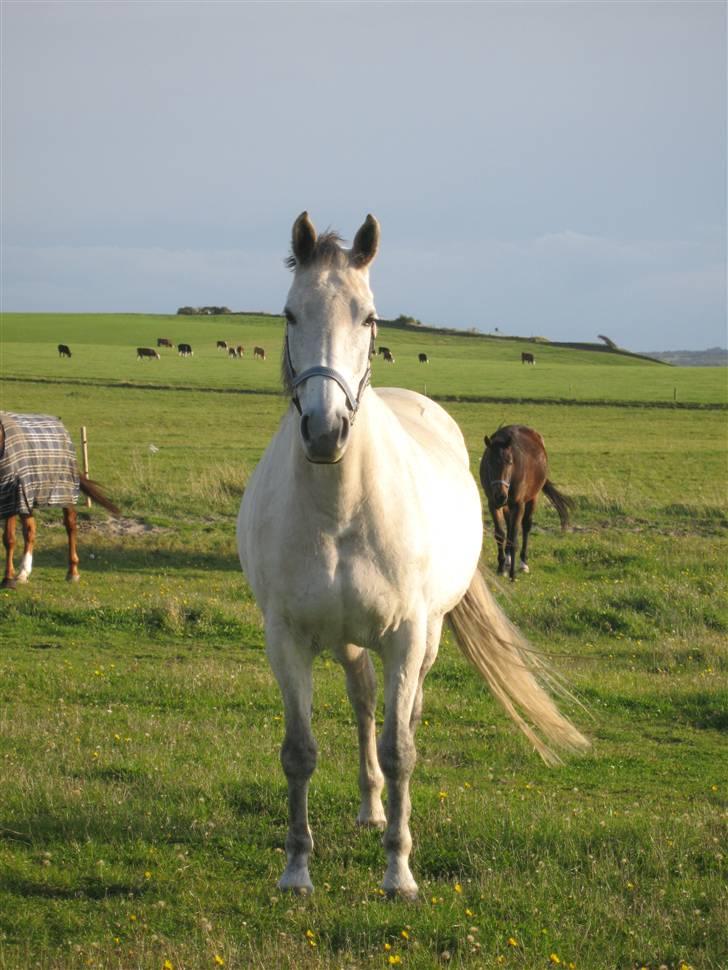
352, 400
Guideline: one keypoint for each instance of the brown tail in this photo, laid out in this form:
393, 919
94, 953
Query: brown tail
95, 492
562, 503
512, 671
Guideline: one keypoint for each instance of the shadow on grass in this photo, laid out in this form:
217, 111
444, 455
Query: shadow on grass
84, 889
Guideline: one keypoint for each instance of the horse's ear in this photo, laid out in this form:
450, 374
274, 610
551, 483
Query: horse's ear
303, 239
366, 243
486, 440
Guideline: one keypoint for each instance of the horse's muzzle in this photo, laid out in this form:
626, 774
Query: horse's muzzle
500, 498
322, 444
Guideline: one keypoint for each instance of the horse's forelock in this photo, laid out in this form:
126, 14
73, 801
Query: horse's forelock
327, 252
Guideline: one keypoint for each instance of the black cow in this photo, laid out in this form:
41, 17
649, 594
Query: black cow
164, 342
143, 352
63, 351
527, 358
423, 358
184, 350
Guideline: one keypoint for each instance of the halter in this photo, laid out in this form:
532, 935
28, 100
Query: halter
352, 400
500, 481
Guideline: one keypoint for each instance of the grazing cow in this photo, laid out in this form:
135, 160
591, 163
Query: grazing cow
63, 351
143, 352
164, 342
258, 353
513, 471
184, 350
232, 352
240, 350
222, 345
38, 468
383, 351
387, 355
423, 358
527, 358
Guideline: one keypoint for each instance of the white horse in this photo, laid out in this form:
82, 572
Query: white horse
360, 530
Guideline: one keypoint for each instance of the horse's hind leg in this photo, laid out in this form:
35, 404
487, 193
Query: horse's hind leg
26, 563
403, 653
69, 520
361, 686
292, 667
9, 581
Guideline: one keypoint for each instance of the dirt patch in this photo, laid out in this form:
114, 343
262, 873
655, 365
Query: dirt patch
119, 526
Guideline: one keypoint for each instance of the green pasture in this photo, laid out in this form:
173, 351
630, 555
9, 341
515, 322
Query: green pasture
142, 803
466, 365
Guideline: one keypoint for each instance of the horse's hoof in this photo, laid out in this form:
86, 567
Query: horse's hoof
72, 577
524, 568
379, 824
406, 895
9, 584
21, 578
296, 880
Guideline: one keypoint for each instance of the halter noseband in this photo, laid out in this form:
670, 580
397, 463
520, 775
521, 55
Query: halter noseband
500, 481
352, 401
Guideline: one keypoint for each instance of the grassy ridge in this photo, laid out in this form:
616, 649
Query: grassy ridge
143, 808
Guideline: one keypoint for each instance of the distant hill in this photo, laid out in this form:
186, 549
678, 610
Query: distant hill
713, 357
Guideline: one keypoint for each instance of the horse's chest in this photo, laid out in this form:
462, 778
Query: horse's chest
347, 589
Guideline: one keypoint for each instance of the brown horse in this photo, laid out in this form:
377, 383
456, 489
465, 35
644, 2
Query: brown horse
38, 468
513, 470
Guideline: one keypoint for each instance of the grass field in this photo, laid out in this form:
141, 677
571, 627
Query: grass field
142, 805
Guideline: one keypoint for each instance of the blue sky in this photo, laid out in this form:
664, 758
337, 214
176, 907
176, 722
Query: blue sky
554, 169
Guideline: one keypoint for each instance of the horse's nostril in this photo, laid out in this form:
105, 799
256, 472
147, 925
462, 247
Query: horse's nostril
344, 430
305, 433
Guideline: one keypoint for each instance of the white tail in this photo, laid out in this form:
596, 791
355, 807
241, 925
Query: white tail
512, 670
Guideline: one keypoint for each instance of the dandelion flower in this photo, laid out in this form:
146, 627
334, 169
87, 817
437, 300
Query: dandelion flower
395, 958
512, 941
458, 888
554, 958
219, 960
405, 935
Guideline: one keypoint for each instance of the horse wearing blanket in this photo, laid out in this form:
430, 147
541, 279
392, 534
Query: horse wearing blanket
38, 468
361, 530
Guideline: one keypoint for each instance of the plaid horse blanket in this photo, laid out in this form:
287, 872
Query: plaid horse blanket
37, 464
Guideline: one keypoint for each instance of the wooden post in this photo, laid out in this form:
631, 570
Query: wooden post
84, 452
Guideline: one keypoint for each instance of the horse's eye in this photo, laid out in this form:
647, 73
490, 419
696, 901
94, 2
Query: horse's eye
370, 320
289, 316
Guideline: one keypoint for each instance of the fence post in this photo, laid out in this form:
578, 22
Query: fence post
84, 452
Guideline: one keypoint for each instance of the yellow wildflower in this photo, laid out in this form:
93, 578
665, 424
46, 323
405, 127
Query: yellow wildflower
554, 958
458, 888
219, 960
395, 958
512, 941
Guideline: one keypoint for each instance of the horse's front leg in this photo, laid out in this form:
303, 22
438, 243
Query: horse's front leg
69, 521
527, 523
292, 666
9, 581
403, 655
361, 686
499, 530
514, 521
26, 563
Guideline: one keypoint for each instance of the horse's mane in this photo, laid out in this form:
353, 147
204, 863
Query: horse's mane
327, 252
